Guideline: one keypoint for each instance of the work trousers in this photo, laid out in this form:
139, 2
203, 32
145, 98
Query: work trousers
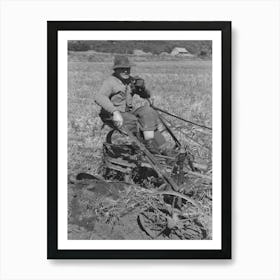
141, 119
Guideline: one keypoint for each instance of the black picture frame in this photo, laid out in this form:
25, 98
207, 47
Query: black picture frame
53, 27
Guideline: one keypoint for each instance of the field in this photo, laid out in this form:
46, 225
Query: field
182, 87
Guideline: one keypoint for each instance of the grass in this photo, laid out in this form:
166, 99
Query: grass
180, 86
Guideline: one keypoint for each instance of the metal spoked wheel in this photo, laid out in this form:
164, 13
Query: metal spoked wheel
172, 216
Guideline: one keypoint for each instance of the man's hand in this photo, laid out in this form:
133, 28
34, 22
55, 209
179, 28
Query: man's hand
151, 100
118, 119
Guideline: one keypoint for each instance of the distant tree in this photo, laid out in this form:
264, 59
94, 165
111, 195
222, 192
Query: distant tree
78, 46
203, 53
167, 49
147, 48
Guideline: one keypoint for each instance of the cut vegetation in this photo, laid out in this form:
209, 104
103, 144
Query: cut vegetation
109, 209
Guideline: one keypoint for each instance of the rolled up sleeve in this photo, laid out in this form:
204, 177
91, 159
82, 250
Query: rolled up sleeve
144, 93
102, 97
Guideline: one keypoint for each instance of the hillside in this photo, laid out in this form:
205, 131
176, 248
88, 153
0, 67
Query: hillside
203, 48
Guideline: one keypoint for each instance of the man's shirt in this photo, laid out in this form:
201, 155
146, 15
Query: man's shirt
116, 96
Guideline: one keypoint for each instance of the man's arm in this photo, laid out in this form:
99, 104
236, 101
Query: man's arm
103, 100
144, 93
102, 97
139, 88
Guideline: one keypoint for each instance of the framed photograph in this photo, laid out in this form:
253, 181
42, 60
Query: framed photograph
139, 140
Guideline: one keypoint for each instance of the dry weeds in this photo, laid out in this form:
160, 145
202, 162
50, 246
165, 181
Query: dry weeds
182, 87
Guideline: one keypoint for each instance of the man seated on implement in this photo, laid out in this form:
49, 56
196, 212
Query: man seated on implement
115, 98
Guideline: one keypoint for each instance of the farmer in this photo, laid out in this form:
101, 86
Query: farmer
115, 98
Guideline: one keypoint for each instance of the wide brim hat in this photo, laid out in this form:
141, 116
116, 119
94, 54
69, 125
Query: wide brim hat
122, 61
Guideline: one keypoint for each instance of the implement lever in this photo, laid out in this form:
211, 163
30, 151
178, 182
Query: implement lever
151, 159
177, 117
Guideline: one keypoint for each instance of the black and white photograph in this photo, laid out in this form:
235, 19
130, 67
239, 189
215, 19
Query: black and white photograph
140, 140
136, 123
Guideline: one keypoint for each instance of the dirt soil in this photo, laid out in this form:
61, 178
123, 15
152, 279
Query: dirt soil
91, 212
110, 210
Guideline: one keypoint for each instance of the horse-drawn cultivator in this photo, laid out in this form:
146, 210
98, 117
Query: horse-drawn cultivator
172, 195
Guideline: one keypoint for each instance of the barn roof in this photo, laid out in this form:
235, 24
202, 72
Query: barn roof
180, 49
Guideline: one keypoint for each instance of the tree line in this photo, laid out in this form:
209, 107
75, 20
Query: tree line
203, 48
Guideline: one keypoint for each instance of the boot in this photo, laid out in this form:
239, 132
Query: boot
151, 146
